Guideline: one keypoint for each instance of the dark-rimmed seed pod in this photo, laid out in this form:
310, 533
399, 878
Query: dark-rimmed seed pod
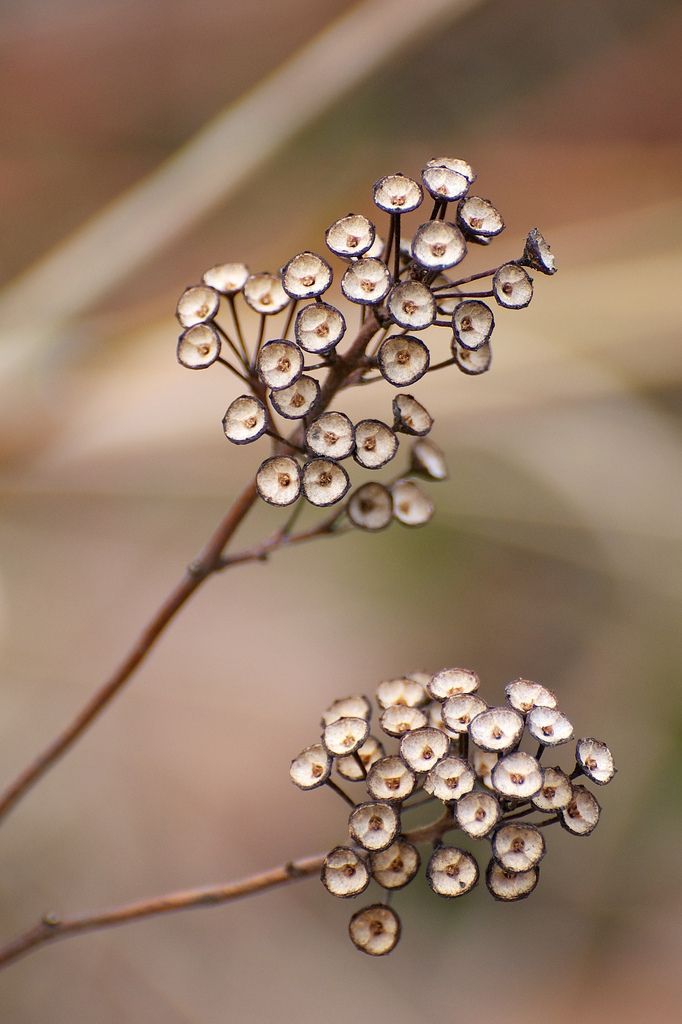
245, 420
517, 776
445, 183
344, 872
556, 792
370, 751
345, 736
370, 507
472, 323
412, 305
483, 762
351, 235
435, 716
451, 681
518, 846
477, 216
376, 249
366, 281
375, 444
319, 327
437, 245
197, 304
396, 866
549, 726
580, 817
396, 193
227, 278
331, 435
399, 719
280, 364
595, 759
410, 416
453, 163
524, 695
278, 480
421, 748
497, 729
355, 706
297, 400
374, 824
512, 286
450, 779
375, 930
411, 506
324, 482
306, 275
403, 692
428, 460
390, 779
198, 347
403, 360
311, 768
451, 872
508, 886
477, 813
458, 711
471, 362
264, 293
537, 254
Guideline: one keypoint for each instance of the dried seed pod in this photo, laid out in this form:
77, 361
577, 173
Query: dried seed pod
355, 706
595, 759
537, 254
374, 825
427, 459
370, 751
472, 323
497, 729
324, 482
435, 716
396, 193
403, 359
245, 420
483, 762
297, 400
403, 692
525, 695
445, 183
376, 249
331, 435
549, 727
451, 871
450, 779
411, 506
412, 305
344, 872
556, 792
472, 363
345, 736
458, 711
280, 363
366, 281
477, 813
438, 245
517, 776
311, 768
279, 480
351, 235
512, 286
319, 327
264, 293
375, 444
423, 678
518, 846
410, 416
375, 930
581, 814
197, 304
454, 164
306, 275
227, 278
390, 779
370, 507
399, 719
451, 681
395, 866
508, 886
477, 216
198, 347
421, 748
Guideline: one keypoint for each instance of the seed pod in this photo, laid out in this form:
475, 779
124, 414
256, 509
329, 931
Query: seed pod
435, 716
472, 323
412, 305
451, 871
396, 193
438, 245
390, 779
297, 400
403, 359
306, 275
331, 435
472, 363
374, 825
497, 729
366, 281
451, 681
370, 507
279, 480
581, 814
344, 872
421, 748
245, 420
280, 363
319, 327
198, 347
351, 235
370, 751
537, 254
483, 762
517, 776
411, 506
311, 768
376, 249
458, 711
410, 416
375, 930
525, 695
595, 759
428, 460
375, 444
477, 216
445, 183
345, 736
197, 304
512, 286
556, 792
423, 678
324, 482
227, 278
355, 706
403, 692
264, 293
518, 846
454, 164
477, 813
396, 866
508, 886
398, 719
549, 727
450, 779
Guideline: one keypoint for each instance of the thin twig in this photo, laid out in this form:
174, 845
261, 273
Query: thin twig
224, 362
228, 339
466, 280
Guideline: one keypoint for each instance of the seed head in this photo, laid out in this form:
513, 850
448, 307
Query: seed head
245, 420
512, 286
518, 846
403, 692
370, 751
345, 736
279, 480
396, 193
324, 482
517, 776
581, 814
198, 347
596, 760
403, 359
477, 813
344, 872
264, 294
508, 886
410, 416
483, 762
459, 710
311, 768
331, 435
355, 706
452, 681
471, 362
352, 235
390, 779
549, 727
375, 444
438, 245
306, 275
421, 748
374, 825
450, 779
366, 281
375, 930
399, 719
227, 278
497, 729
537, 254
411, 506
297, 400
396, 866
197, 304
445, 183
412, 305
318, 328
428, 460
472, 323
525, 695
556, 792
370, 507
478, 217
454, 164
451, 872
280, 363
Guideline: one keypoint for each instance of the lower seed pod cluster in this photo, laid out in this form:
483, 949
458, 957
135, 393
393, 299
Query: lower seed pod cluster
482, 767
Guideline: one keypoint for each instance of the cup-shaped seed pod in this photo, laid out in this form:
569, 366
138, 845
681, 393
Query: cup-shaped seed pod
427, 459
497, 729
450, 779
264, 293
477, 813
396, 193
524, 695
512, 286
556, 792
472, 363
297, 400
403, 692
517, 776
518, 846
423, 678
198, 347
344, 872
453, 163
197, 304
370, 507
421, 748
331, 435
445, 183
396, 866
306, 275
355, 706
375, 930
438, 245
483, 762
477, 216
374, 825
375, 444
227, 278
537, 254
435, 717
398, 719
472, 323
366, 281
595, 759
411, 506
403, 360
278, 480
245, 420
581, 814
280, 363
370, 751
451, 681
412, 305
349, 236
549, 727
345, 736
319, 327
410, 416
376, 249
458, 711
508, 886
390, 779
324, 482
311, 768
451, 871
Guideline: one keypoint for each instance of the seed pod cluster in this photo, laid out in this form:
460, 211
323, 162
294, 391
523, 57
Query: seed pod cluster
444, 747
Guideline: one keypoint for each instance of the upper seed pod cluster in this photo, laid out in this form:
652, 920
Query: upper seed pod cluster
449, 748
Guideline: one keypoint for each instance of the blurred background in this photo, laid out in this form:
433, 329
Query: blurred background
142, 143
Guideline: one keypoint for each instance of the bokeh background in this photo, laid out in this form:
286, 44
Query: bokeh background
554, 554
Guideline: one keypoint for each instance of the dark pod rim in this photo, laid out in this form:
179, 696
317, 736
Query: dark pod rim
308, 468
414, 343
356, 498
384, 911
